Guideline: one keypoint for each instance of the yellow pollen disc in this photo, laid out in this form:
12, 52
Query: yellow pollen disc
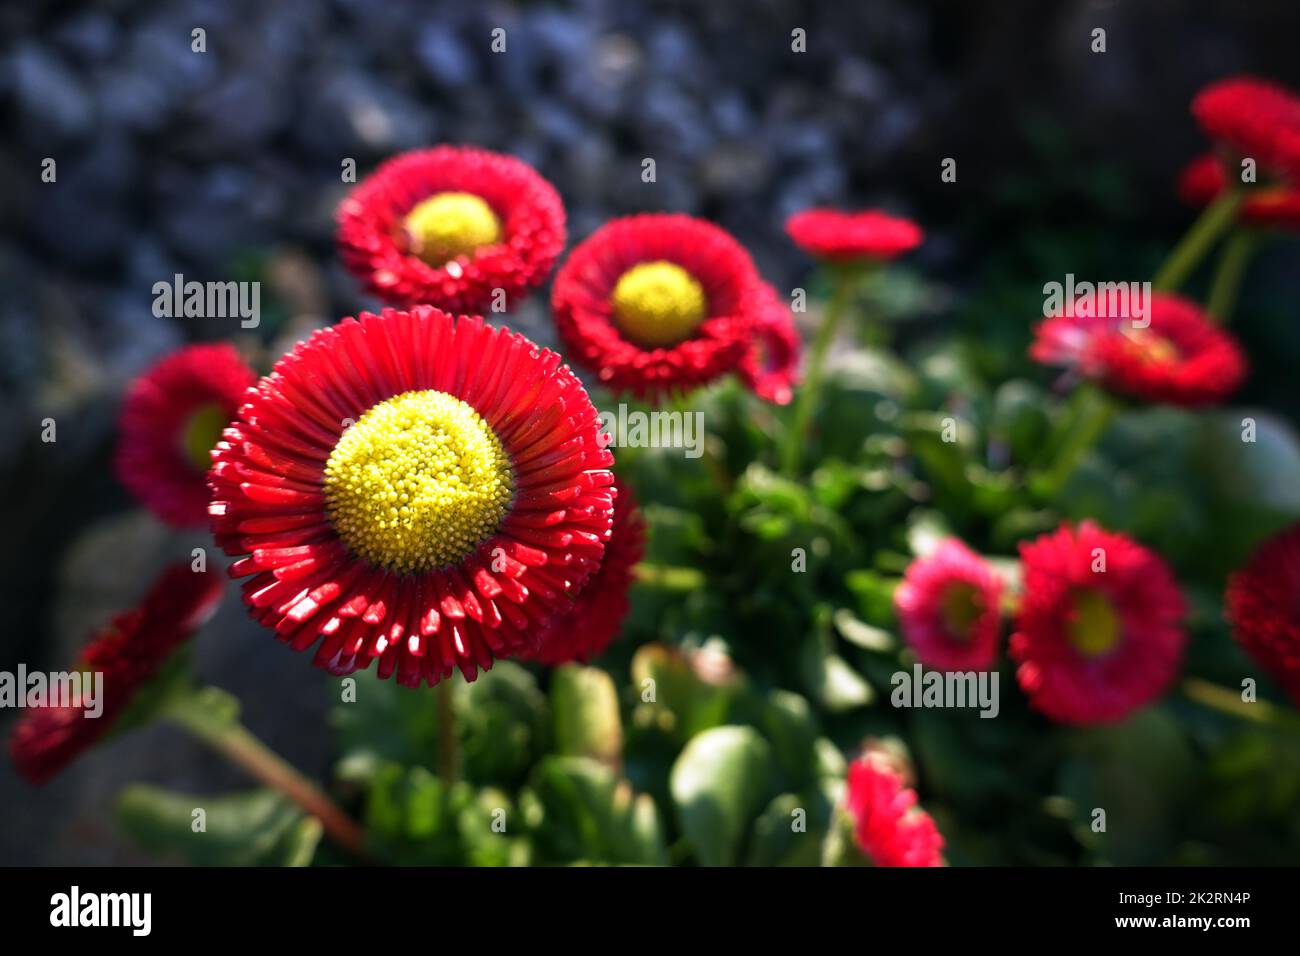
418, 482
201, 433
1094, 631
1153, 347
960, 607
658, 304
448, 225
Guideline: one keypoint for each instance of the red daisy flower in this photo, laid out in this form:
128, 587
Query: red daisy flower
771, 367
584, 630
657, 303
1099, 632
450, 226
171, 419
887, 824
416, 489
1204, 180
1178, 358
948, 605
1264, 610
851, 236
1253, 118
128, 653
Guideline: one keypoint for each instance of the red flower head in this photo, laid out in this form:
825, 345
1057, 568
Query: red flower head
585, 629
887, 825
771, 366
1179, 357
449, 226
170, 422
657, 304
1204, 180
948, 605
1099, 632
1253, 118
1264, 610
128, 653
415, 489
852, 236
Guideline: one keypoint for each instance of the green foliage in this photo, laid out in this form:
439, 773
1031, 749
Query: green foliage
258, 828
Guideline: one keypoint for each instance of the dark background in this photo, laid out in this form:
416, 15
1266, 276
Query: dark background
226, 165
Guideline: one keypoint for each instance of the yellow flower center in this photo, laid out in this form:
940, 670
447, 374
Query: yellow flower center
960, 607
1153, 347
1094, 629
200, 434
419, 482
658, 304
447, 225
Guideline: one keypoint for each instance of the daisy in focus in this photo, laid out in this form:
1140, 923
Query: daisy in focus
584, 630
658, 304
452, 226
416, 490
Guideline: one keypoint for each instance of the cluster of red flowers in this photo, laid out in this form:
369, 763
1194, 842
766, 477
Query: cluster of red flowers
1249, 120
1098, 630
427, 492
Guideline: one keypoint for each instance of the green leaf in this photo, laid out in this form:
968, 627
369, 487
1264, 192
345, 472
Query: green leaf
585, 707
791, 727
832, 681
501, 720
719, 785
790, 831
579, 810
860, 633
680, 703
257, 828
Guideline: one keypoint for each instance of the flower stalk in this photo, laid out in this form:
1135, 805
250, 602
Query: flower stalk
1212, 223
209, 716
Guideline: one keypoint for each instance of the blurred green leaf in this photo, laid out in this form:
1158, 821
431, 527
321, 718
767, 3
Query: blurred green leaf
257, 828
719, 785
579, 810
585, 708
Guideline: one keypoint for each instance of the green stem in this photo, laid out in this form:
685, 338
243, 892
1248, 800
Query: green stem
1091, 412
232, 740
1227, 701
806, 401
1216, 218
669, 578
1227, 277
448, 743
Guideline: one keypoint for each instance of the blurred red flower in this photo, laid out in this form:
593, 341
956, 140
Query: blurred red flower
1099, 631
129, 652
1179, 358
851, 236
1263, 606
1255, 119
887, 825
949, 607
1204, 179
170, 422
770, 369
